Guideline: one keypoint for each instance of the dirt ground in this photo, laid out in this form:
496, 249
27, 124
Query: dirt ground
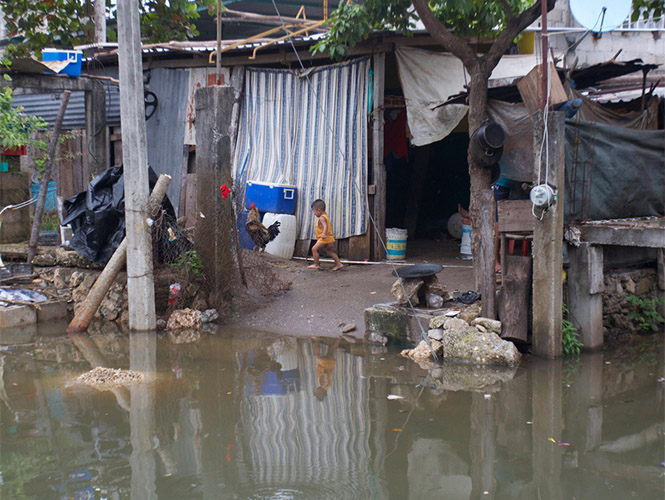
321, 302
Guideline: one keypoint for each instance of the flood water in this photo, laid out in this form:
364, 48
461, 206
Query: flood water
248, 415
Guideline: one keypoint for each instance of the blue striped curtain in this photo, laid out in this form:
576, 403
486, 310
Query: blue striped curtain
309, 129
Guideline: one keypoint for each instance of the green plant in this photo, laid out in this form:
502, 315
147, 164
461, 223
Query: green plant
189, 263
570, 338
16, 128
41, 147
644, 315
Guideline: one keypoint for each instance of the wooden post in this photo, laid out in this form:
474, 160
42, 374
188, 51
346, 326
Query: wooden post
585, 287
88, 308
486, 259
548, 240
214, 229
378, 168
140, 280
46, 176
96, 130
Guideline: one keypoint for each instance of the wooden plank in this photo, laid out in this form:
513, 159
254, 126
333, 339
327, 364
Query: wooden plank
378, 168
530, 88
190, 207
486, 257
514, 298
117, 145
515, 216
359, 247
342, 248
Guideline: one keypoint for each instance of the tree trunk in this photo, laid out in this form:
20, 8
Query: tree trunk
480, 176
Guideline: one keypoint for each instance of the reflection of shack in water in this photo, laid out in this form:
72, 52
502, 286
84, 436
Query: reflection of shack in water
295, 439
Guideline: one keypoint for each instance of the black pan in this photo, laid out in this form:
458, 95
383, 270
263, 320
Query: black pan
417, 270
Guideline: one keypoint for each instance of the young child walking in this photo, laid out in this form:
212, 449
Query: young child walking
324, 236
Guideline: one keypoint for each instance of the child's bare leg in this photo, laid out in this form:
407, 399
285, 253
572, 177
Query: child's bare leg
315, 253
335, 257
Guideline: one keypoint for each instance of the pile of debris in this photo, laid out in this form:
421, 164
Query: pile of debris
455, 339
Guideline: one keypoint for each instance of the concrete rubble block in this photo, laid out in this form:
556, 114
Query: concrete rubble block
406, 289
52, 310
471, 346
435, 334
184, 319
492, 325
17, 316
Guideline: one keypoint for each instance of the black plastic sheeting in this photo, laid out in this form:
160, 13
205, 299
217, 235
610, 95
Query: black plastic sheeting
97, 218
613, 172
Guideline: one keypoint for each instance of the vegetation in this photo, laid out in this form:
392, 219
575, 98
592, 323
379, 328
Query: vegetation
16, 128
189, 263
644, 315
35, 24
570, 338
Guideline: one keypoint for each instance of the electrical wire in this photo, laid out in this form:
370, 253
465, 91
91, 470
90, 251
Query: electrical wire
423, 334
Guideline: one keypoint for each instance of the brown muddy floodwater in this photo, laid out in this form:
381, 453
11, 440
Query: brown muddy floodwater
247, 415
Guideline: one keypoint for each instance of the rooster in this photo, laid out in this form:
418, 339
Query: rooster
260, 234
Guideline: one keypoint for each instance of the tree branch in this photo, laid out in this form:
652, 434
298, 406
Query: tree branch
507, 9
444, 36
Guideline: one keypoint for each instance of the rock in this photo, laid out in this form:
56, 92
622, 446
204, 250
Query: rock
437, 322
61, 278
377, 338
209, 315
76, 279
471, 346
481, 329
630, 286
348, 328
469, 314
433, 285
387, 322
44, 260
421, 351
161, 324
406, 289
456, 325
492, 325
184, 319
113, 303
435, 334
643, 286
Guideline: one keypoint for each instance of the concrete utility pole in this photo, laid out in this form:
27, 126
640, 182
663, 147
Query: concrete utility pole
100, 21
140, 279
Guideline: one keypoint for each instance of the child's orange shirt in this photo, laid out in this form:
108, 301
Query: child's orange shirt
319, 230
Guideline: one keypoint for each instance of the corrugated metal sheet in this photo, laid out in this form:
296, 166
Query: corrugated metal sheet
47, 105
165, 130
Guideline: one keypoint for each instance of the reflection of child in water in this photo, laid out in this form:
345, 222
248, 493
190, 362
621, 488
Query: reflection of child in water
324, 366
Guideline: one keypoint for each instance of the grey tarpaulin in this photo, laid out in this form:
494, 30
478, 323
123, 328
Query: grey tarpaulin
613, 172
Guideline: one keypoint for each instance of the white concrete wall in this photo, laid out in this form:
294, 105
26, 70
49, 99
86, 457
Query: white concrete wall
646, 45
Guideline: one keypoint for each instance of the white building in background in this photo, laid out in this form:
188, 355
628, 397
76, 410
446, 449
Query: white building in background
640, 40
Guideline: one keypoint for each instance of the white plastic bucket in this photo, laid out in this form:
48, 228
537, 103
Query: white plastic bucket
283, 245
396, 243
465, 247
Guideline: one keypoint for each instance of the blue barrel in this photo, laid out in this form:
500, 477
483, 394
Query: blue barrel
49, 204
